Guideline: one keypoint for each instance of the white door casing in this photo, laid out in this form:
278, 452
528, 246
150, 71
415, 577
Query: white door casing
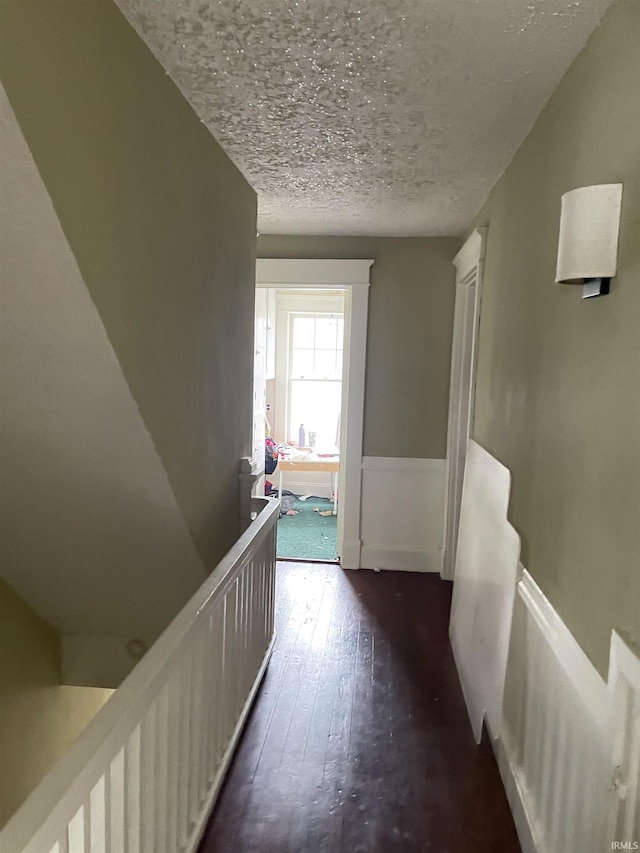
469, 264
259, 385
352, 276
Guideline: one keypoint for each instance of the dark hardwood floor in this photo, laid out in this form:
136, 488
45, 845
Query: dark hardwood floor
359, 739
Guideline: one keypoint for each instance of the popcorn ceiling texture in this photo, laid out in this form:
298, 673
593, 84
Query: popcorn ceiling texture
390, 117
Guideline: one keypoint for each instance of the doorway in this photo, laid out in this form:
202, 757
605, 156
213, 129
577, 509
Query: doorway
304, 404
282, 282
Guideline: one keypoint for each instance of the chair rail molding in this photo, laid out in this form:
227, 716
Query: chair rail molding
352, 276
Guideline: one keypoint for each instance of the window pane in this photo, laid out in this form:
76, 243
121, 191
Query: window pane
303, 331
339, 364
317, 406
302, 363
325, 365
326, 333
340, 332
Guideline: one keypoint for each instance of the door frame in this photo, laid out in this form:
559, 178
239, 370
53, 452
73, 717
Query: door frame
469, 263
352, 276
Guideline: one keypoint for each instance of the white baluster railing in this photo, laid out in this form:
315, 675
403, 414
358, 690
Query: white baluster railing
143, 775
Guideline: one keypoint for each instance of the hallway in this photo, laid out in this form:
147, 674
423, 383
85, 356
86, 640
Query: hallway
359, 739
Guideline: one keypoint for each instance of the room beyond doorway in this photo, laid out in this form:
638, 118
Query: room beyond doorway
303, 399
351, 277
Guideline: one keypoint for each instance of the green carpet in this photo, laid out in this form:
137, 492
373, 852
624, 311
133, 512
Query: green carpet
308, 534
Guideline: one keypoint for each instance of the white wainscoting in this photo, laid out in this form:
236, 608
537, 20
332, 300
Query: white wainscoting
623, 822
402, 513
553, 749
567, 742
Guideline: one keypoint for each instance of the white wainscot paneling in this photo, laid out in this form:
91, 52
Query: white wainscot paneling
402, 513
569, 747
567, 743
553, 749
623, 822
484, 588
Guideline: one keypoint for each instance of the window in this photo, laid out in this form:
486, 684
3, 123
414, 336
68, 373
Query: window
315, 377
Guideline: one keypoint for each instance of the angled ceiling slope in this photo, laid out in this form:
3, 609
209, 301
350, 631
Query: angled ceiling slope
92, 537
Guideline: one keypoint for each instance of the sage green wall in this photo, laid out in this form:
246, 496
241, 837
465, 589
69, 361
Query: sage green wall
162, 226
39, 718
409, 335
558, 393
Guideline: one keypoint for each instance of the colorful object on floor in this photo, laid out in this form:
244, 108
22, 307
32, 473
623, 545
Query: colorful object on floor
311, 534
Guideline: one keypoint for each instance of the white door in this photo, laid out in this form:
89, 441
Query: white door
468, 264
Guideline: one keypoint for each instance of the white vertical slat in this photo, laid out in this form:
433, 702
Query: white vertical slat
160, 783
173, 760
545, 757
148, 802
205, 715
219, 688
208, 732
98, 818
184, 740
631, 827
195, 729
76, 833
238, 642
133, 792
532, 718
116, 814
559, 769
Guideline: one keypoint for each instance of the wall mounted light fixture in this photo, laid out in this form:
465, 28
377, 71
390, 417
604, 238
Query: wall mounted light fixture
588, 243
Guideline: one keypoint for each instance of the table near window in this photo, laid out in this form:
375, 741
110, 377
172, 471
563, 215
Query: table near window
312, 463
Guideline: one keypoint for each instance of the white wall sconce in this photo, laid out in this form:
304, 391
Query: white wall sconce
588, 243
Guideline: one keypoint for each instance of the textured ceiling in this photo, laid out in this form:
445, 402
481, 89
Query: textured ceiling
377, 117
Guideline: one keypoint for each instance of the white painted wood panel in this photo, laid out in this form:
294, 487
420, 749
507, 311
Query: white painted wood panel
144, 774
402, 509
623, 823
554, 741
484, 588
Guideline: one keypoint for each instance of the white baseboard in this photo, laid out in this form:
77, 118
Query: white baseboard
397, 559
350, 557
516, 790
401, 514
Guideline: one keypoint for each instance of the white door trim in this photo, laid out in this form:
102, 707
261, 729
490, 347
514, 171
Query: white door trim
469, 263
352, 276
